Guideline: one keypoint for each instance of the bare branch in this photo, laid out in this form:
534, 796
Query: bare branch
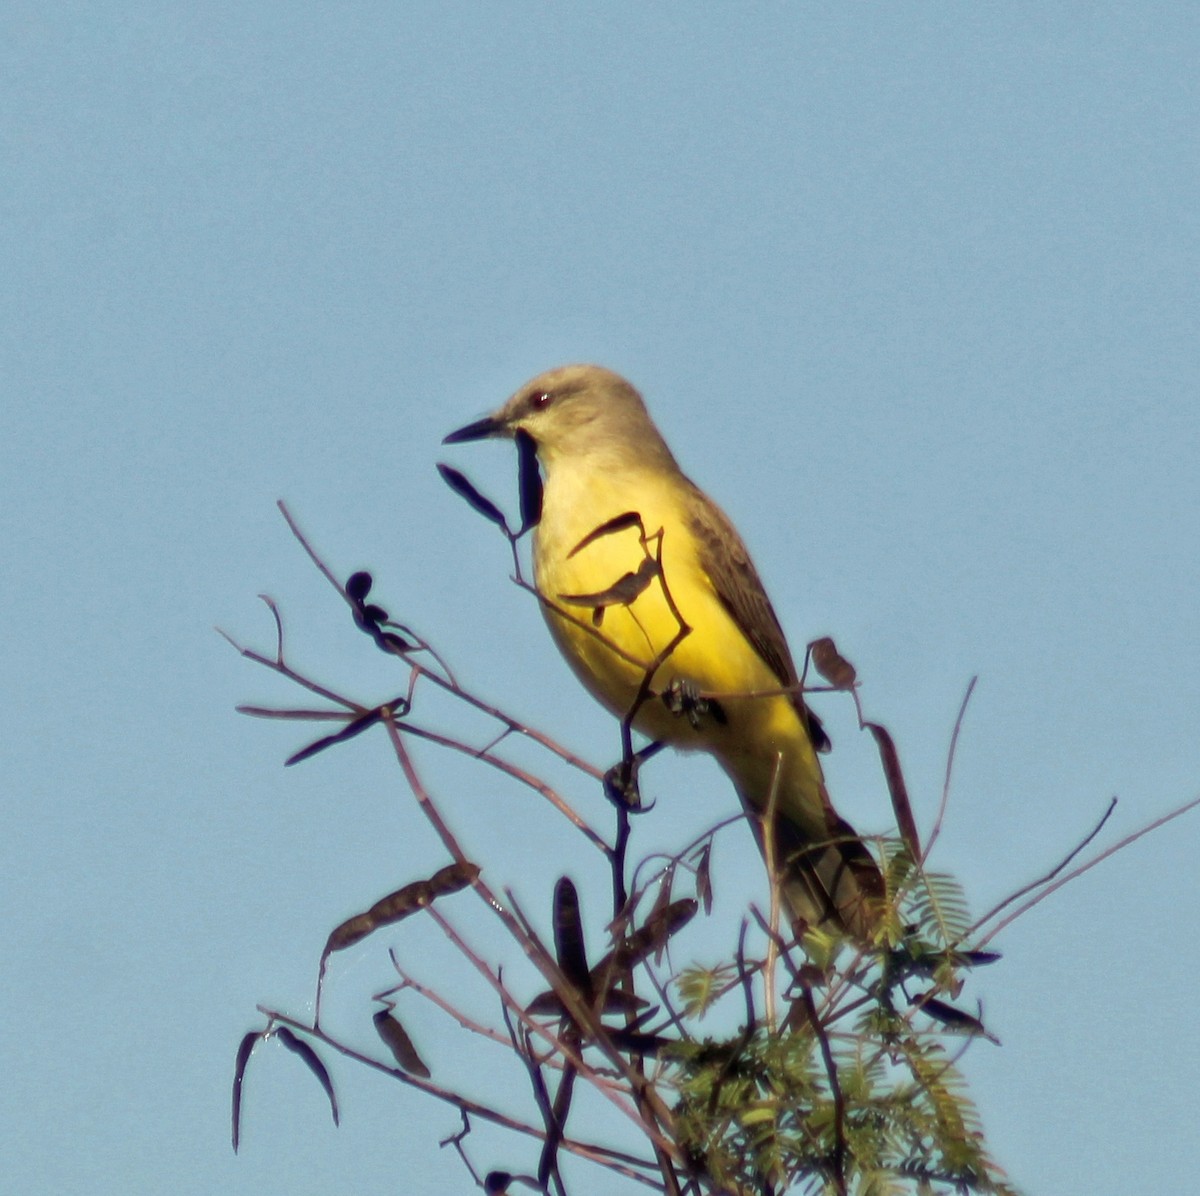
937, 824
1034, 884
1070, 876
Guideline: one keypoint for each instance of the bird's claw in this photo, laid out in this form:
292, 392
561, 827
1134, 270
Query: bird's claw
682, 698
621, 786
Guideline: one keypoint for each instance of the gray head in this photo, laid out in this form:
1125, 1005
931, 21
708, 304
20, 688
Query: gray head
575, 410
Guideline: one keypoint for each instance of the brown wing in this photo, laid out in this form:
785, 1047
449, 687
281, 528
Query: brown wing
724, 558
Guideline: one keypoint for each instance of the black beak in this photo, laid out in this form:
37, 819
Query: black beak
481, 429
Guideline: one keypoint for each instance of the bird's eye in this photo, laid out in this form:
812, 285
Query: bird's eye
540, 400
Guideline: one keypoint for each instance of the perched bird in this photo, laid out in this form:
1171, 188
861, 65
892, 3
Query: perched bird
652, 598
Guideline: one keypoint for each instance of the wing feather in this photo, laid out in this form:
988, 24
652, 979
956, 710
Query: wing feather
724, 558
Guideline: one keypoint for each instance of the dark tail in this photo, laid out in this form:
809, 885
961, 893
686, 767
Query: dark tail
834, 884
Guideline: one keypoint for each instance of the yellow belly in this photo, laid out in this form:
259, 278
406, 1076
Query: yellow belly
613, 647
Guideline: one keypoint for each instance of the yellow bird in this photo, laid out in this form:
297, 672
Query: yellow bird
652, 598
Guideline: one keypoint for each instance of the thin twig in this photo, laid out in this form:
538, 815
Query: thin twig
437, 999
277, 666
617, 1160
1070, 876
517, 728
447, 682
835, 1089
273, 607
937, 824
523, 1049
456, 1140
537, 955
518, 774
1034, 884
553, 1040
775, 879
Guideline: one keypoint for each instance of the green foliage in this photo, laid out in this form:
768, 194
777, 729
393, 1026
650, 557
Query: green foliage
759, 1114
857, 1091
700, 988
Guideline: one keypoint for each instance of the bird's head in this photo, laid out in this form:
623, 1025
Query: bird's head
570, 410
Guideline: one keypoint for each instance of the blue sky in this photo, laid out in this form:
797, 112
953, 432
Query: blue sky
912, 291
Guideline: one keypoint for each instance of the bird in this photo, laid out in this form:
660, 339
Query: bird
652, 598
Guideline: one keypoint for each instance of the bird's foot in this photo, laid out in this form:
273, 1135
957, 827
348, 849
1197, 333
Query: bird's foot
682, 698
621, 785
